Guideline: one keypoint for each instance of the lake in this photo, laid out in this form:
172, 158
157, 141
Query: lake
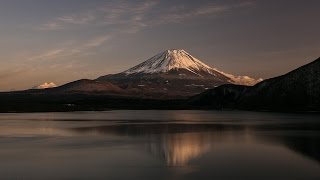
160, 145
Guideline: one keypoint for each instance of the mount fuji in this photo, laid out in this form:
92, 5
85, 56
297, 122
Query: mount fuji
173, 73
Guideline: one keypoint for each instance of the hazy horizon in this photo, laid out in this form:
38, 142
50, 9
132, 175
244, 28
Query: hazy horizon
59, 41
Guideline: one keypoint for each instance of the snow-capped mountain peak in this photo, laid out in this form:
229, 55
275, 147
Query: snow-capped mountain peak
179, 59
172, 59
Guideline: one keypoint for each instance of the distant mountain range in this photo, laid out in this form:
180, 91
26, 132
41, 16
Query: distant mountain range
175, 80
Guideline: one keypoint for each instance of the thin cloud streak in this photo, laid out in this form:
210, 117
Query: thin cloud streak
138, 15
76, 19
63, 22
72, 49
96, 42
50, 26
47, 55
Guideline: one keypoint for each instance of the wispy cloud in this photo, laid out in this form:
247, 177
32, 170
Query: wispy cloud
51, 26
76, 19
179, 14
63, 22
48, 54
139, 15
127, 17
98, 41
72, 49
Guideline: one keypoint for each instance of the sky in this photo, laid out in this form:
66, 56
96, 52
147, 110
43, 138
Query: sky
61, 41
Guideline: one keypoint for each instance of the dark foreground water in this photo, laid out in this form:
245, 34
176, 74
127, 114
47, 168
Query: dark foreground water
160, 145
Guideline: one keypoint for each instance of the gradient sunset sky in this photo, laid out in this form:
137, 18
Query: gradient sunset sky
64, 40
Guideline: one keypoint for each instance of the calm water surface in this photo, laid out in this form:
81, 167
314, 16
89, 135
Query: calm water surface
160, 145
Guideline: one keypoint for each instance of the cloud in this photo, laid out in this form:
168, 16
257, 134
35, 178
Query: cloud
72, 49
132, 16
47, 55
45, 85
74, 19
51, 26
245, 80
62, 22
126, 17
179, 14
98, 41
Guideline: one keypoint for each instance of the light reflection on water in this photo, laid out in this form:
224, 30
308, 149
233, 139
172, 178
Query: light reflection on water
159, 145
179, 149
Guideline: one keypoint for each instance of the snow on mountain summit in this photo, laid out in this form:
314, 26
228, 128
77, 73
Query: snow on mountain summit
178, 59
173, 59
45, 85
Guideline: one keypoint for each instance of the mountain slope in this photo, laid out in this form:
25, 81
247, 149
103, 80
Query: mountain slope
172, 60
84, 86
222, 97
173, 73
298, 90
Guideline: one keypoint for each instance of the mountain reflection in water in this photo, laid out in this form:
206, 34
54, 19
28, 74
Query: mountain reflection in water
179, 149
178, 144
160, 145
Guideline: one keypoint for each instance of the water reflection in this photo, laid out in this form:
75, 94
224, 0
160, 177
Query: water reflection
159, 145
178, 144
179, 149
